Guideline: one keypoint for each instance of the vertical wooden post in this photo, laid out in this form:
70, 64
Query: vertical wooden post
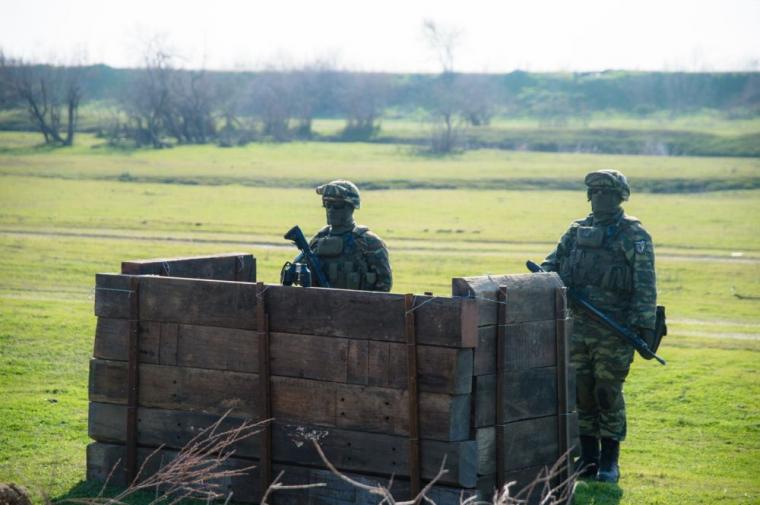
563, 357
414, 420
133, 378
501, 337
265, 389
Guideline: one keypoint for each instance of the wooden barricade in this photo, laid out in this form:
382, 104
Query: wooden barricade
394, 383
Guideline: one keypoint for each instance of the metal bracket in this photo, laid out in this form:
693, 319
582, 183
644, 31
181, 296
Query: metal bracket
265, 389
414, 418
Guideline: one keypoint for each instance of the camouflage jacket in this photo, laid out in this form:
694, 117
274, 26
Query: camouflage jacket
354, 260
612, 265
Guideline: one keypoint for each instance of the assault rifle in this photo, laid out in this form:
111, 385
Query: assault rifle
298, 271
623, 331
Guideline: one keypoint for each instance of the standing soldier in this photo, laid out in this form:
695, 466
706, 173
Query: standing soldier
609, 258
352, 257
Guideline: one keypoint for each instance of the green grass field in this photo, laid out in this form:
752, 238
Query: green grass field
66, 214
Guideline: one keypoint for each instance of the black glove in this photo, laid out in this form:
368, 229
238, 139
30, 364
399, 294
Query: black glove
647, 335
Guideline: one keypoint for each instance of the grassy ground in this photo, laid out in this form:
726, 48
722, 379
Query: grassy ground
695, 424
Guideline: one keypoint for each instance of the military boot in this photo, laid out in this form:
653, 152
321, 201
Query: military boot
588, 464
609, 471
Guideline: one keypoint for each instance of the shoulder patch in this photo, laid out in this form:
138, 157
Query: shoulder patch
641, 246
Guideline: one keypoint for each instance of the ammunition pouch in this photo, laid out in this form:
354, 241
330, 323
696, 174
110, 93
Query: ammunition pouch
329, 247
660, 328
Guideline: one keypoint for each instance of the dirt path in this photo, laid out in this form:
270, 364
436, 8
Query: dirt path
409, 249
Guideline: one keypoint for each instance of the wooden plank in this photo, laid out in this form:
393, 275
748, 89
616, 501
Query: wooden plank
363, 408
112, 294
450, 322
531, 296
133, 385
264, 397
413, 452
348, 450
563, 380
527, 443
383, 364
526, 394
528, 345
101, 458
224, 267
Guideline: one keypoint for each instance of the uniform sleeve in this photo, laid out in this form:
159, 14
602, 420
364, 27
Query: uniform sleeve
378, 262
552, 261
640, 254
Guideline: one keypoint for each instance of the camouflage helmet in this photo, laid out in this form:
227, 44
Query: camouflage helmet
608, 179
340, 190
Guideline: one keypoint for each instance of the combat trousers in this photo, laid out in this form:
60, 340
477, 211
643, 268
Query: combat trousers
602, 361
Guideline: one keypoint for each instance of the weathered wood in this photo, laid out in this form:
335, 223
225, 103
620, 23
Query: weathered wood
450, 322
563, 379
501, 337
264, 397
133, 364
528, 443
101, 458
413, 453
527, 394
364, 408
528, 345
383, 364
223, 267
348, 450
531, 296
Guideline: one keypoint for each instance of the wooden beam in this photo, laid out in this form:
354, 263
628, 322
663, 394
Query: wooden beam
349, 450
527, 443
532, 298
353, 361
101, 458
563, 380
133, 384
530, 345
449, 322
223, 267
413, 454
264, 397
362, 408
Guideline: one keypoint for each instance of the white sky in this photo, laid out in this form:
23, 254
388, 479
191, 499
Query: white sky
496, 36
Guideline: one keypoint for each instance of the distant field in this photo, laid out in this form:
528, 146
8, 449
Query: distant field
302, 164
66, 214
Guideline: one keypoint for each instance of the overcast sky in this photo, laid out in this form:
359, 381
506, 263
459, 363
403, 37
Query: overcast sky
495, 36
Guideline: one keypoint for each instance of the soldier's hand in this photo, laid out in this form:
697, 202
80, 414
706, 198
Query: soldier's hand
647, 335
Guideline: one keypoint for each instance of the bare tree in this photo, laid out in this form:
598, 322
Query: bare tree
446, 121
50, 94
363, 97
314, 85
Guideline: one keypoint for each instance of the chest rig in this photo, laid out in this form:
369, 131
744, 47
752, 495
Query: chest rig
343, 259
597, 259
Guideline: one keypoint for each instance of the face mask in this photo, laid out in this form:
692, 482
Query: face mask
605, 204
340, 216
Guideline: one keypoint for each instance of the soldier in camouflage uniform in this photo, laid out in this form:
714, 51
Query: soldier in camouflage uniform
608, 257
352, 256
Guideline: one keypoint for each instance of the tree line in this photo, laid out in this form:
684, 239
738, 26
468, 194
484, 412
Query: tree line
160, 104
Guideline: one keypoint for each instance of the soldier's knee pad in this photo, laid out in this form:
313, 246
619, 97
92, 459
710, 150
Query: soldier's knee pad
609, 395
584, 391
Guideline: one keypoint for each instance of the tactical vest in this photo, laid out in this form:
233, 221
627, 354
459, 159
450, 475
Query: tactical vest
343, 259
597, 259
